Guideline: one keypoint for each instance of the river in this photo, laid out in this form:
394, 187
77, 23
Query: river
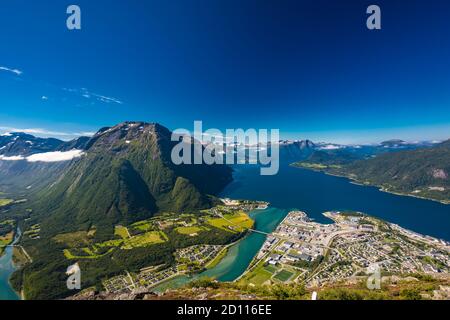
6, 269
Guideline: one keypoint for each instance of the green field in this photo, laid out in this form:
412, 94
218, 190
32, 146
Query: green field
142, 225
7, 238
5, 202
121, 232
259, 276
97, 250
145, 239
271, 268
89, 254
109, 243
237, 222
189, 230
80, 245
284, 275
72, 239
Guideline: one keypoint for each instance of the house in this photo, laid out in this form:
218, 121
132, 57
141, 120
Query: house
275, 257
305, 257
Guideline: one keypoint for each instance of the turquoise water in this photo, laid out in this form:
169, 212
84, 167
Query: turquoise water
315, 193
240, 254
6, 269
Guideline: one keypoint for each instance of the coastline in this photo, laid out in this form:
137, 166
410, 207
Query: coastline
226, 248
380, 188
289, 233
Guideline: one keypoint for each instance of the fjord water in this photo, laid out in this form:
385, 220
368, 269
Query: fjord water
314, 193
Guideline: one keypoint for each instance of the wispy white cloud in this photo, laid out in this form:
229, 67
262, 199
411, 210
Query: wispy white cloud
15, 71
85, 93
106, 99
57, 156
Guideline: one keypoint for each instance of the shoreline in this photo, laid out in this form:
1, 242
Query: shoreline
198, 275
20, 294
14, 268
380, 188
17, 235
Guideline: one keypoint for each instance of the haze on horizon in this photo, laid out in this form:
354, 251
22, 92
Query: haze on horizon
412, 135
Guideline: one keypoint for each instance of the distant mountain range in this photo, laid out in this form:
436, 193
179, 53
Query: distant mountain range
18, 174
127, 155
22, 144
296, 149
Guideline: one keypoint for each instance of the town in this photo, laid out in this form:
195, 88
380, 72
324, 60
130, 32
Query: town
303, 251
299, 250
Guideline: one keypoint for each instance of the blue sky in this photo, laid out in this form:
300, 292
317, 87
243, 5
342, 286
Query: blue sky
308, 68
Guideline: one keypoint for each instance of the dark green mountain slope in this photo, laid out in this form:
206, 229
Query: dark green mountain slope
126, 175
333, 157
423, 172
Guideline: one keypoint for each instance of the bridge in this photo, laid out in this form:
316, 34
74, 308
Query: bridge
249, 229
258, 231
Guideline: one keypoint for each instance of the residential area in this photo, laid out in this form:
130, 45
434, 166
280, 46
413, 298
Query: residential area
303, 251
